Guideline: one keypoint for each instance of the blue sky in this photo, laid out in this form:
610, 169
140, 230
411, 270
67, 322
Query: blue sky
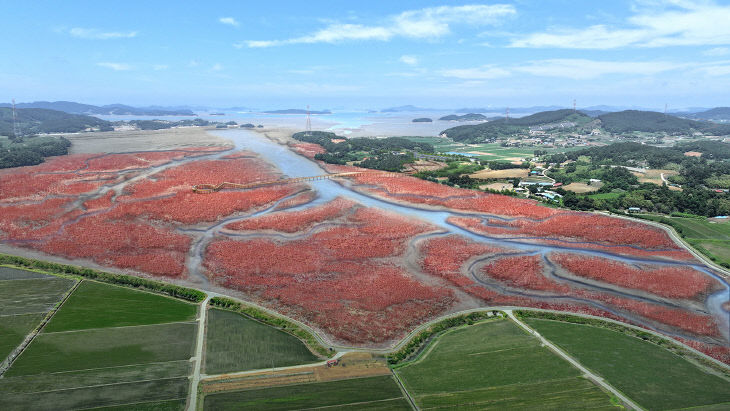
368, 54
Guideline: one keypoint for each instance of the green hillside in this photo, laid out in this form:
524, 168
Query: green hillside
504, 127
652, 122
38, 121
465, 117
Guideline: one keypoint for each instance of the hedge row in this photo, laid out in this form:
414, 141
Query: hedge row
274, 321
119, 279
423, 337
633, 332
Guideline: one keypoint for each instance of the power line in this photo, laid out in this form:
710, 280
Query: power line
15, 122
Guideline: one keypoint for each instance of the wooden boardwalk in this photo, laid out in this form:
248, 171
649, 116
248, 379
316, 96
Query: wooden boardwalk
211, 188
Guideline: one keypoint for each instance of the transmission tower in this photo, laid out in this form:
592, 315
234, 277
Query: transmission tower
665, 109
507, 115
308, 130
573, 105
15, 122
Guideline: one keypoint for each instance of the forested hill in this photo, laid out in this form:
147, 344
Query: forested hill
652, 122
38, 120
465, 117
505, 127
717, 113
640, 155
111, 109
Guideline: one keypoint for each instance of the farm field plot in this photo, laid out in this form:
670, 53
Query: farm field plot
33, 295
650, 375
496, 365
711, 239
376, 393
97, 305
237, 343
14, 328
87, 356
25, 299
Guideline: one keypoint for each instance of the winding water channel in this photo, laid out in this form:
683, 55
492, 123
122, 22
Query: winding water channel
294, 165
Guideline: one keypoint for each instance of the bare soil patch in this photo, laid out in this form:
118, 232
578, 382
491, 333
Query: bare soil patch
143, 140
423, 165
351, 365
497, 186
582, 187
507, 173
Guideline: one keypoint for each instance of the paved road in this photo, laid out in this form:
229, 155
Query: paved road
193, 398
598, 380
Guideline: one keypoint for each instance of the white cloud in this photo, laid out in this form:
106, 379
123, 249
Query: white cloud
116, 66
159, 67
425, 23
479, 73
717, 51
716, 69
228, 20
216, 67
685, 23
579, 69
410, 60
588, 69
96, 34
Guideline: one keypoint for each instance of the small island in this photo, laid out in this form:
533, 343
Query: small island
422, 120
465, 117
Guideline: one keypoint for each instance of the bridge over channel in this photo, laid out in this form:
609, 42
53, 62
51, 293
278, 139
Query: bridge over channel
211, 188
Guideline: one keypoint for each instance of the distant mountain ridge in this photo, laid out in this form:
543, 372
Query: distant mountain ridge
111, 109
513, 126
40, 120
713, 114
651, 121
465, 117
619, 122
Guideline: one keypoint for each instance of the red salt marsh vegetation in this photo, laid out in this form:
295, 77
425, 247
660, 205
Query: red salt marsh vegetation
293, 221
664, 281
348, 279
524, 271
364, 276
61, 207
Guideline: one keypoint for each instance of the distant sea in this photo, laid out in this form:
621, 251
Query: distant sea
348, 123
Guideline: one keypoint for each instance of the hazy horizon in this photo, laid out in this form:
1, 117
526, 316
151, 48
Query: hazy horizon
642, 53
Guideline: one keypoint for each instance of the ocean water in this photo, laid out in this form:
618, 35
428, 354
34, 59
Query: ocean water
347, 123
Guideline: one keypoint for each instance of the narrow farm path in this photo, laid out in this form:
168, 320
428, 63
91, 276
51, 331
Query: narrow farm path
404, 390
258, 371
198, 359
593, 377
